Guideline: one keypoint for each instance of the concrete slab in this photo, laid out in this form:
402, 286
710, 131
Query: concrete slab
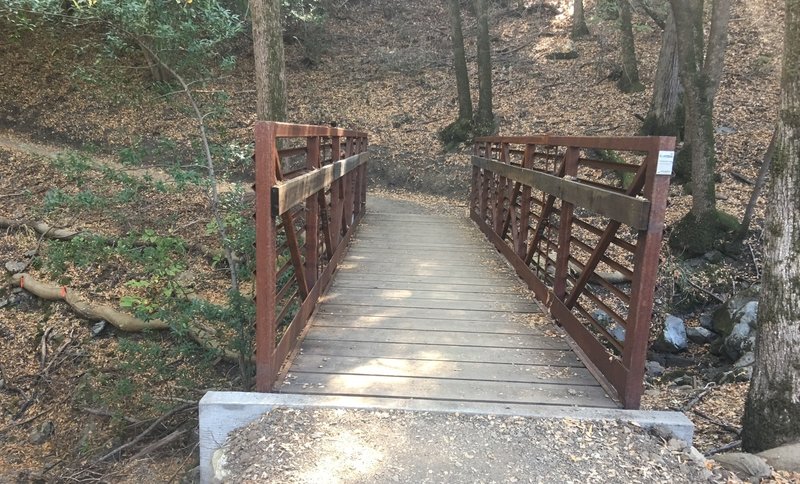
223, 412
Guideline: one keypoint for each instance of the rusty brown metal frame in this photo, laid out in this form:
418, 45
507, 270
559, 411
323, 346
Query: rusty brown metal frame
330, 224
621, 374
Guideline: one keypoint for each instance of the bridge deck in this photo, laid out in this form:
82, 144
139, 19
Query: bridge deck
422, 307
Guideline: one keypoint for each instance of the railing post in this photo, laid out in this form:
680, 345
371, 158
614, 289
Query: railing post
312, 216
565, 228
648, 247
501, 191
485, 185
266, 256
335, 224
349, 189
525, 205
476, 177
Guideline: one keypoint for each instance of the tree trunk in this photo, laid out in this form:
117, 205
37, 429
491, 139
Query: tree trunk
704, 228
484, 120
269, 60
629, 82
579, 28
666, 117
772, 411
460, 62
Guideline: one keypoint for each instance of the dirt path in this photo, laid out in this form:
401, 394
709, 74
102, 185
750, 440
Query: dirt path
13, 142
359, 446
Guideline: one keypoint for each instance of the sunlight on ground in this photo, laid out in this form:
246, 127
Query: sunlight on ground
346, 459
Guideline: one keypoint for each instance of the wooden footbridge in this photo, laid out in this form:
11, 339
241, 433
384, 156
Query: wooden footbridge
554, 309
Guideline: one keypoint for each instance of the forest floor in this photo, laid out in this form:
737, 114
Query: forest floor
77, 124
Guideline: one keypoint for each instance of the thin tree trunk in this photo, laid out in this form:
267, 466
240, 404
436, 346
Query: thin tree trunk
484, 120
579, 28
460, 62
772, 410
698, 78
762, 178
629, 82
665, 117
269, 60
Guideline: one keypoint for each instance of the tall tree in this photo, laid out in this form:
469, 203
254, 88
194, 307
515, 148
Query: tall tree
484, 118
269, 60
772, 411
460, 62
704, 227
629, 81
579, 28
665, 115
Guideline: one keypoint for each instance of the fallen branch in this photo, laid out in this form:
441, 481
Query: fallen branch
199, 332
160, 443
741, 177
699, 397
732, 445
706, 291
146, 431
715, 421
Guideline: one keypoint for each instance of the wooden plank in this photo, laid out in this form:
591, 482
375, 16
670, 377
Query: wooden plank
441, 369
470, 304
357, 283
425, 324
430, 269
507, 281
552, 357
454, 259
414, 294
389, 312
422, 255
286, 195
450, 338
463, 390
632, 211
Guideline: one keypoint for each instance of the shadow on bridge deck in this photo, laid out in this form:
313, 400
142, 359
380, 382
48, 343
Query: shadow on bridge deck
424, 308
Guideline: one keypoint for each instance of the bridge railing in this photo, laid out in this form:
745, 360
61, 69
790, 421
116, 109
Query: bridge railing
310, 194
581, 221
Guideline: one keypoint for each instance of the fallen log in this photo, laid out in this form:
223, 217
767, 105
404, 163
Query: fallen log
199, 332
42, 228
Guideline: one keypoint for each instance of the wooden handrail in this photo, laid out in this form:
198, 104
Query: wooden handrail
515, 183
318, 210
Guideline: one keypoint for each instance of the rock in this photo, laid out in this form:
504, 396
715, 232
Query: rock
677, 361
618, 332
783, 458
746, 466
730, 313
706, 321
696, 455
673, 337
602, 318
747, 359
741, 340
653, 368
700, 335
42, 434
676, 444
16, 266
98, 327
713, 257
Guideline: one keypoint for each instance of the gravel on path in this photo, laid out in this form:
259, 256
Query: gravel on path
289, 445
